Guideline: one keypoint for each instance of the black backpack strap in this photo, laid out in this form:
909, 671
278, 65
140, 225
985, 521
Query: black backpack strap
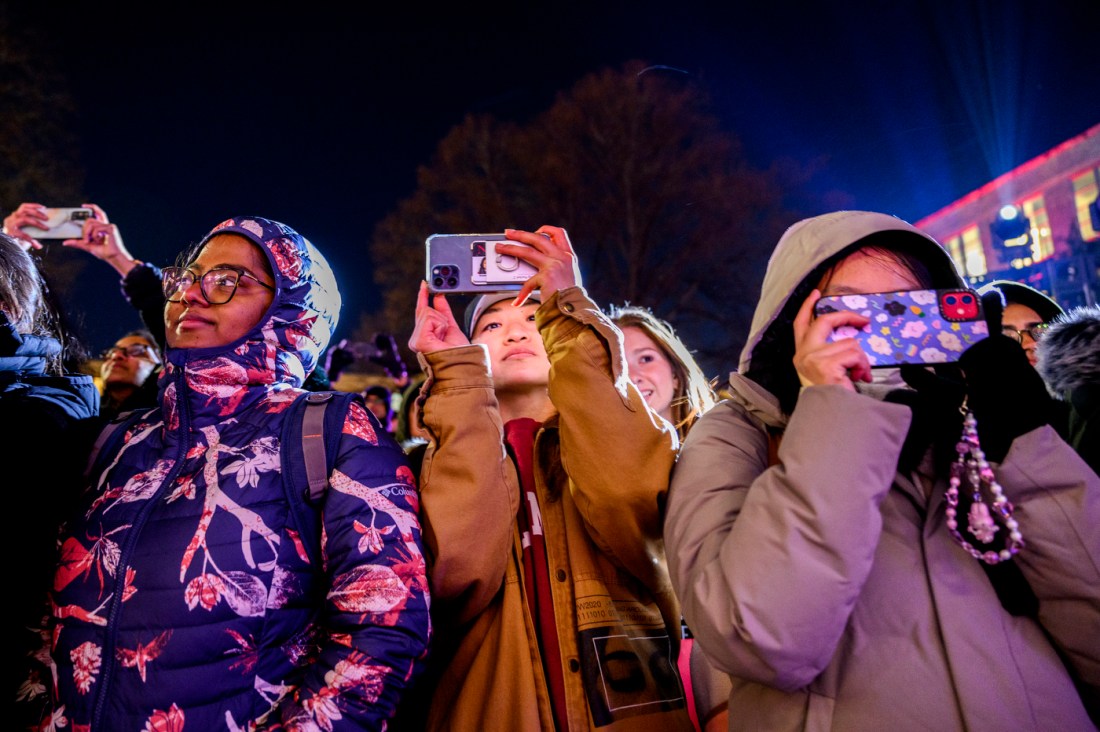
308, 449
335, 417
309, 445
313, 443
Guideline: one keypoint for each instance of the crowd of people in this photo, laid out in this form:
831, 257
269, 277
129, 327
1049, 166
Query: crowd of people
558, 521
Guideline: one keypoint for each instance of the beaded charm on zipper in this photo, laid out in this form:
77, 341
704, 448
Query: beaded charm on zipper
971, 471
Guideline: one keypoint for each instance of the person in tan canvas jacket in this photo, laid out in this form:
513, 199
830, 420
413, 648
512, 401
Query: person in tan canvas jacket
541, 492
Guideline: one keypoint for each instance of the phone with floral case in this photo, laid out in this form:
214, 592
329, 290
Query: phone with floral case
911, 326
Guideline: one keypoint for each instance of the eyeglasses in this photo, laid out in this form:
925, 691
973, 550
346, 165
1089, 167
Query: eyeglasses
218, 285
1035, 331
134, 350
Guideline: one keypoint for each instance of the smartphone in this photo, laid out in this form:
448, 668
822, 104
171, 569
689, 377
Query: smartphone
911, 326
470, 263
62, 223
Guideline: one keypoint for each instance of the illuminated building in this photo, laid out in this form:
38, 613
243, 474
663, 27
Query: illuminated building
1038, 224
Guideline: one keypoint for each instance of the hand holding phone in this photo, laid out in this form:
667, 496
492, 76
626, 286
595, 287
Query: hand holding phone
436, 327
470, 263
911, 326
61, 223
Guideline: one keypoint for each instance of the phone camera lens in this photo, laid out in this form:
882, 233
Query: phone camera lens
437, 281
452, 282
950, 300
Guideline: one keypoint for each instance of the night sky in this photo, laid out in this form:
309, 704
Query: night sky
187, 114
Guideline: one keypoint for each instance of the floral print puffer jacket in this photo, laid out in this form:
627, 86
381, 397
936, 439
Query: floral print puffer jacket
190, 598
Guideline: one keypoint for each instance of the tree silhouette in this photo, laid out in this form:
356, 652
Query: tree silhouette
660, 203
38, 152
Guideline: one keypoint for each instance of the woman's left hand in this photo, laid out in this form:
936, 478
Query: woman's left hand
548, 249
103, 240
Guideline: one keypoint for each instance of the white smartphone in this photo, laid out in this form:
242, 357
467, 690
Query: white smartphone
62, 223
470, 263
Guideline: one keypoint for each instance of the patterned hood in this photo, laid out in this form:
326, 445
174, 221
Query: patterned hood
284, 346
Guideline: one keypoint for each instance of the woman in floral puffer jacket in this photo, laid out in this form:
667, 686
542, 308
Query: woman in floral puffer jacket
190, 596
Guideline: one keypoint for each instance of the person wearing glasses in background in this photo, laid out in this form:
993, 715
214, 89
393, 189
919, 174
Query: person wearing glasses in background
1029, 317
195, 591
129, 374
1027, 313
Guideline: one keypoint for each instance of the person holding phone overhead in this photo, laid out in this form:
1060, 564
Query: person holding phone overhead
851, 554
540, 495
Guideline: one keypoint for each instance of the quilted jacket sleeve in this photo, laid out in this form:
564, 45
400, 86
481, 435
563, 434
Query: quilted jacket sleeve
141, 287
1057, 499
468, 483
376, 627
769, 561
617, 453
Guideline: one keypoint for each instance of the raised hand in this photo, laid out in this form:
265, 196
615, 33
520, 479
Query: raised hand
436, 327
819, 361
388, 357
27, 214
548, 249
337, 358
103, 241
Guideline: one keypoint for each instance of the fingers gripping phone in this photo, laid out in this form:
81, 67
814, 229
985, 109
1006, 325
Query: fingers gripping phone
911, 326
61, 223
470, 263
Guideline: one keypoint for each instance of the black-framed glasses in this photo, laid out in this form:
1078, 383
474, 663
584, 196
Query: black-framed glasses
218, 285
134, 350
1035, 331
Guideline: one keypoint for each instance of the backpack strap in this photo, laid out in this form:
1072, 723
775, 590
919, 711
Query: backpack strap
316, 421
308, 454
313, 443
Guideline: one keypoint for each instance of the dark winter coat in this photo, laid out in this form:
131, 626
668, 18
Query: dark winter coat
47, 423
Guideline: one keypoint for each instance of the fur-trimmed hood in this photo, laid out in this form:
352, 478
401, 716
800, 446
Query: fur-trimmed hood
1069, 352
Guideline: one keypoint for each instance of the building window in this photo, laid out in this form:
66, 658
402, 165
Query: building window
973, 254
954, 248
1042, 243
1085, 192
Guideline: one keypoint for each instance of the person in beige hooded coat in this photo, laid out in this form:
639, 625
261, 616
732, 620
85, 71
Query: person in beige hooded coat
821, 577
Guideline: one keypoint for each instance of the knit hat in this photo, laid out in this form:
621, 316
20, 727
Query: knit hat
483, 302
1021, 294
378, 391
